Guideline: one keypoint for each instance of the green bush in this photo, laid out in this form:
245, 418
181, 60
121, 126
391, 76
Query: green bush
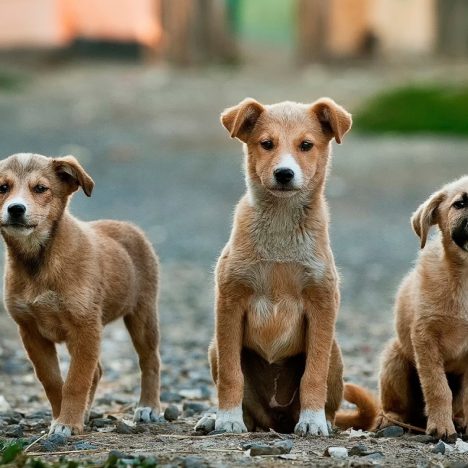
416, 109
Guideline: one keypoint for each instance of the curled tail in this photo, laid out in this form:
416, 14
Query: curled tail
364, 416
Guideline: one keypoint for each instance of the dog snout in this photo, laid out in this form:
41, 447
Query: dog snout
16, 210
283, 175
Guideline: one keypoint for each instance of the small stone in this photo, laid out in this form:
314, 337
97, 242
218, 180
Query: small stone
264, 449
122, 428
15, 431
336, 452
390, 431
441, 447
171, 397
358, 450
285, 446
374, 456
94, 414
460, 446
171, 413
206, 424
83, 445
101, 422
53, 442
195, 406
4, 405
422, 439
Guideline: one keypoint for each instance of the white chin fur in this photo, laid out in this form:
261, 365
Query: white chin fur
18, 231
283, 193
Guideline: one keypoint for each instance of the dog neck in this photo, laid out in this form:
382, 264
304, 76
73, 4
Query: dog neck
286, 229
30, 254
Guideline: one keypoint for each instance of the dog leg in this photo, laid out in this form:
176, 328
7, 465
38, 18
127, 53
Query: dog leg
43, 356
320, 334
144, 330
395, 386
83, 346
92, 392
436, 390
334, 385
230, 382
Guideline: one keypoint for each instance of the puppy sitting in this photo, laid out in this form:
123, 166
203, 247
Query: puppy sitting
274, 357
65, 279
424, 372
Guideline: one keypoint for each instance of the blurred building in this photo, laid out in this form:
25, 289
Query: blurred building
195, 31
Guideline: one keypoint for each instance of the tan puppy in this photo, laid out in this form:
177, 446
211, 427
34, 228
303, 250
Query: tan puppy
424, 372
65, 279
274, 357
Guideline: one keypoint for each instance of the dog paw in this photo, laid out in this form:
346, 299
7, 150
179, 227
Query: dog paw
230, 421
65, 430
442, 430
146, 414
312, 423
206, 424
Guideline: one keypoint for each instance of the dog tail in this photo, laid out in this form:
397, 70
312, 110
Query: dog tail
364, 416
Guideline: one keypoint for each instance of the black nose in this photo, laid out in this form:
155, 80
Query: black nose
283, 175
16, 210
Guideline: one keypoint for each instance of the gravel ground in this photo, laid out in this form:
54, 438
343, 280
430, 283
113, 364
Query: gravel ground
151, 140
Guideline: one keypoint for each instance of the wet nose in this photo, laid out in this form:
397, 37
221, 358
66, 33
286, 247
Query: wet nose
283, 175
16, 210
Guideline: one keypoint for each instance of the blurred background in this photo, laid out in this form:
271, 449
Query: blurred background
134, 88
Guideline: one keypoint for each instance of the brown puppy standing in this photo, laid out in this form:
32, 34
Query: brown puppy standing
424, 372
274, 357
65, 279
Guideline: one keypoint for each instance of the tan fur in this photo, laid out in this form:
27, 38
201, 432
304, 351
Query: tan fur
66, 279
277, 289
424, 371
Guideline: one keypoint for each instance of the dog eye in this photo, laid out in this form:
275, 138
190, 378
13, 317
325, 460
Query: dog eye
306, 146
40, 188
4, 188
458, 205
267, 145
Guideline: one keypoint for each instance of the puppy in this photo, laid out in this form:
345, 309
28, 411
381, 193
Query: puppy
274, 357
65, 279
424, 371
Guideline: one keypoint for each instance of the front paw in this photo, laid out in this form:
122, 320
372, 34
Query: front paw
146, 414
65, 430
442, 429
312, 423
230, 421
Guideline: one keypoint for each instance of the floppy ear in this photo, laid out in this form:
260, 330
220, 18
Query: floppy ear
335, 120
426, 216
240, 120
70, 171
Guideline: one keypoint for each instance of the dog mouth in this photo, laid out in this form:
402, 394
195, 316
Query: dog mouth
18, 226
283, 191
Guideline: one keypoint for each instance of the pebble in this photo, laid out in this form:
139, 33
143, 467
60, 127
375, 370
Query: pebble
206, 424
442, 448
390, 431
53, 442
101, 422
258, 449
95, 414
4, 405
422, 439
83, 445
122, 428
15, 431
336, 452
359, 450
171, 413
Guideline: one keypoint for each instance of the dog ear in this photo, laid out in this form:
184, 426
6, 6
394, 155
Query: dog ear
335, 120
240, 120
70, 171
426, 216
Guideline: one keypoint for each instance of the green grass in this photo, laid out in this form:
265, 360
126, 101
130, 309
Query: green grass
416, 109
11, 81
